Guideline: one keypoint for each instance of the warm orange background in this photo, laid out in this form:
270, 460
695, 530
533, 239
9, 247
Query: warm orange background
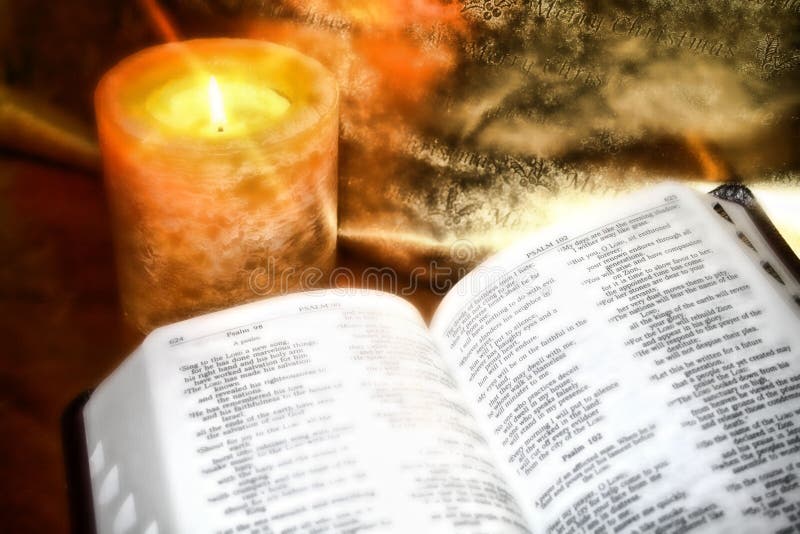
701, 91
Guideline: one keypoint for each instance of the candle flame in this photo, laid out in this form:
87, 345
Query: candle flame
215, 105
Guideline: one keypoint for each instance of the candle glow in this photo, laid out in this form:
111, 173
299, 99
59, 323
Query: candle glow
199, 105
219, 158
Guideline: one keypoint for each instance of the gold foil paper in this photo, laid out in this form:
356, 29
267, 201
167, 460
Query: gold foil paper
467, 124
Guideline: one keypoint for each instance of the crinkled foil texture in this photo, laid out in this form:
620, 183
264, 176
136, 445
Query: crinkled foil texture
467, 124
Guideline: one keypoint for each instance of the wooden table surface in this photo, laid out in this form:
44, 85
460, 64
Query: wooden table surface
61, 327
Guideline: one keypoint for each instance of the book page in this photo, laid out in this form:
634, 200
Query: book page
326, 411
126, 467
636, 374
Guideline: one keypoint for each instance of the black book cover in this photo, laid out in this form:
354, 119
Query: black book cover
741, 195
76, 460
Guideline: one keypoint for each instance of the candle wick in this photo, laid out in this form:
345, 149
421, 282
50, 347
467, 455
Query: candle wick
220, 128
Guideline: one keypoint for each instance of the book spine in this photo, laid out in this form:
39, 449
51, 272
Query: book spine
76, 462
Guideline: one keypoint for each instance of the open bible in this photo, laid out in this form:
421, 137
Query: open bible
638, 371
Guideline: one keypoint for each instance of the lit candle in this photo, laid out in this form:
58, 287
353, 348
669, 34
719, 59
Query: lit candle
219, 158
